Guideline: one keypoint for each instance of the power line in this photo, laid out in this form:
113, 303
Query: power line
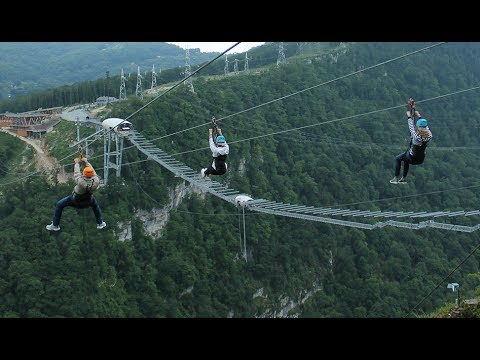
188, 71
123, 90
141, 108
303, 90
139, 90
181, 81
329, 121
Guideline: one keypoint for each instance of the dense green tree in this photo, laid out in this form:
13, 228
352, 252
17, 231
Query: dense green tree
320, 154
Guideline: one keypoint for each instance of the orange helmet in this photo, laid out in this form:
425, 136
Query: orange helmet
88, 171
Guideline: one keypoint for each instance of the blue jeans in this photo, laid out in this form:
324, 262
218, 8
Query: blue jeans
69, 201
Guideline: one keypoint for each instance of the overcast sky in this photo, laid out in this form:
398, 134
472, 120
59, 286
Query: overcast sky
218, 46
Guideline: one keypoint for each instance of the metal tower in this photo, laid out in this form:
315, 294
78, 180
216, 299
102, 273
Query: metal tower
245, 68
281, 55
108, 153
235, 66
241, 201
225, 69
78, 127
188, 71
368, 218
123, 91
107, 86
154, 77
300, 47
139, 91
83, 144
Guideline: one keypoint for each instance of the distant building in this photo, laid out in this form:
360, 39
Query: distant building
49, 111
31, 123
103, 100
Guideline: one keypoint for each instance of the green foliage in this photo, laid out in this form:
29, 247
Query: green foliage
63, 135
451, 310
194, 266
15, 157
72, 62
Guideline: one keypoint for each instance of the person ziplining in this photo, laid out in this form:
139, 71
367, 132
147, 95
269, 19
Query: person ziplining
420, 136
220, 150
87, 181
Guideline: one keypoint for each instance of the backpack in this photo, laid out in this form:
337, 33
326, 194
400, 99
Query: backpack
220, 165
83, 200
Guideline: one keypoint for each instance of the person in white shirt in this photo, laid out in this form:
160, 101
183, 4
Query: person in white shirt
220, 151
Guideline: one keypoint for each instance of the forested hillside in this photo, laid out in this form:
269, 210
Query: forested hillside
88, 91
26, 67
308, 147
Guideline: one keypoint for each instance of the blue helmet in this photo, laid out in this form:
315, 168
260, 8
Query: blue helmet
422, 123
220, 139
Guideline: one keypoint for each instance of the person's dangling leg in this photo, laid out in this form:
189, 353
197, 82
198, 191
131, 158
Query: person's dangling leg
406, 166
66, 201
98, 213
219, 171
211, 169
398, 164
219, 167
59, 206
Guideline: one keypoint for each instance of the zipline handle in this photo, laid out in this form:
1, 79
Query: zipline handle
411, 105
214, 129
80, 156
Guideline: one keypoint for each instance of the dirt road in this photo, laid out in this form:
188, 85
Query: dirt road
49, 164
43, 162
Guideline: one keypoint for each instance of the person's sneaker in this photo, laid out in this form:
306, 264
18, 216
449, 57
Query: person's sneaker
402, 181
394, 180
51, 227
102, 225
202, 172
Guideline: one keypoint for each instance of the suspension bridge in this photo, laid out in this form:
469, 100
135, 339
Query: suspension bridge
417, 220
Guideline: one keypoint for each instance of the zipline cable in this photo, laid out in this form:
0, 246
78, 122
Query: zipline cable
98, 132
329, 121
443, 280
306, 89
162, 94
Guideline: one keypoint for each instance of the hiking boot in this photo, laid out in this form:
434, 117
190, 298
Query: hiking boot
102, 225
202, 172
394, 180
52, 227
401, 181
